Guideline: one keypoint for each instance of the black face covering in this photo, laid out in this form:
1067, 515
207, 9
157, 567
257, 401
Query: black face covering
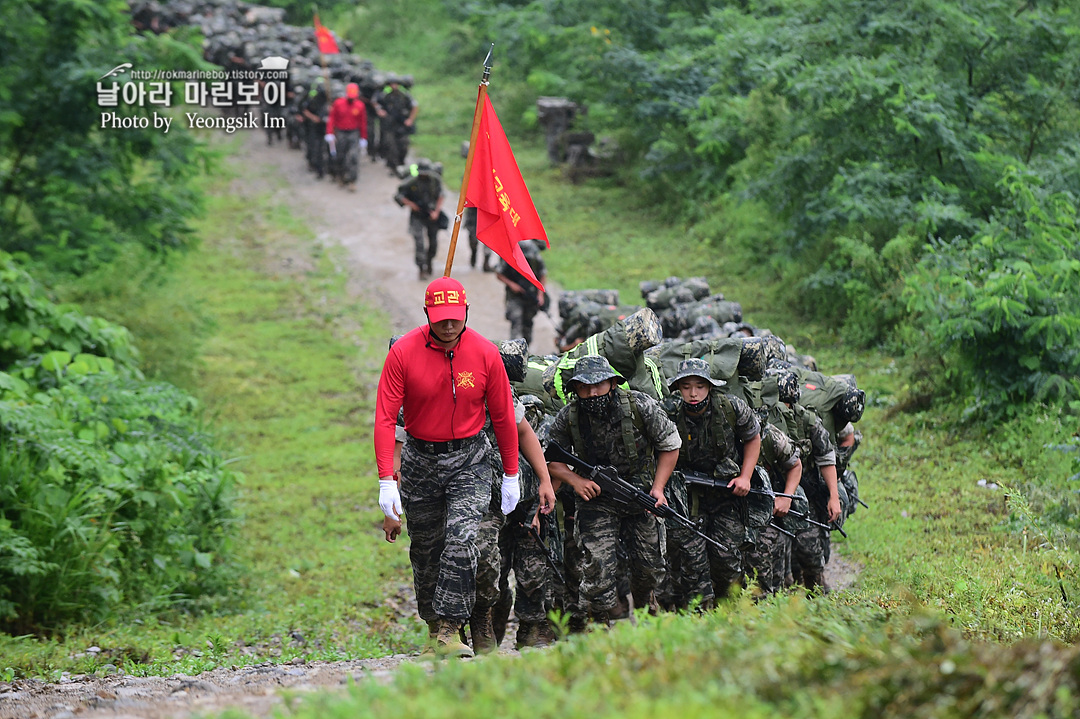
597, 406
697, 407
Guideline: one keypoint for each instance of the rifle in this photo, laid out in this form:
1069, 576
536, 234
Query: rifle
703, 480
547, 554
623, 492
805, 516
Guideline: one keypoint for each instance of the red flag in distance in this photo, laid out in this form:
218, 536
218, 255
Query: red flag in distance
505, 214
327, 44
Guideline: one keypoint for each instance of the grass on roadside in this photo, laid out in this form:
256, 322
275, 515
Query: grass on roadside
286, 366
783, 657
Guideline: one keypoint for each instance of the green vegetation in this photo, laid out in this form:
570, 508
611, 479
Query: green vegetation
72, 194
966, 588
857, 149
786, 657
111, 493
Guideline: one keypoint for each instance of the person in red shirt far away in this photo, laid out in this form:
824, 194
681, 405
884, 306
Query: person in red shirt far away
447, 377
346, 130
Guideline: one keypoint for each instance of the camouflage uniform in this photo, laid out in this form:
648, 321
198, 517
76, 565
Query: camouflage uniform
810, 549
687, 573
713, 445
521, 308
317, 152
437, 488
424, 188
394, 133
468, 223
599, 522
489, 567
771, 555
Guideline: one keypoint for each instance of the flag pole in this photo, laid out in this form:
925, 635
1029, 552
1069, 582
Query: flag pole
322, 57
481, 93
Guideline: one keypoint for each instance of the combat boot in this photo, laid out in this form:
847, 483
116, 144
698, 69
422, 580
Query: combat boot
814, 580
483, 634
432, 635
578, 623
500, 615
447, 641
545, 634
527, 635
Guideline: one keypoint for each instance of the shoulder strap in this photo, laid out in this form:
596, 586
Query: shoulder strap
631, 418
654, 373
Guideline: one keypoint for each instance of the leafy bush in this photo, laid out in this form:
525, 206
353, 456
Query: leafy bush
110, 489
863, 129
1002, 308
71, 191
32, 326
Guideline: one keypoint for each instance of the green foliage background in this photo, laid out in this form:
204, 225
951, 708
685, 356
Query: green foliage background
871, 134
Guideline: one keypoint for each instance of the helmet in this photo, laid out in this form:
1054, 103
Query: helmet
788, 387
694, 367
752, 358
774, 348
594, 369
850, 407
515, 355
643, 330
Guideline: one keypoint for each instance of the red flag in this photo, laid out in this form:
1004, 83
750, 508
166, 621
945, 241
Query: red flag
327, 44
505, 214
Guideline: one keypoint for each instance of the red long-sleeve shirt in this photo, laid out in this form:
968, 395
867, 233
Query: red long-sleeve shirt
347, 115
417, 373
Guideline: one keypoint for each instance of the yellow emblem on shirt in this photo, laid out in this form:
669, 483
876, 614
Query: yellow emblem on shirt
465, 379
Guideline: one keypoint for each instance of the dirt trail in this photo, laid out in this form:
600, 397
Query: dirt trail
374, 231
372, 228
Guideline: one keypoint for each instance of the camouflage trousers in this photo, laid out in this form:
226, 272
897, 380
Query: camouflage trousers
489, 564
521, 553
599, 526
445, 497
687, 573
521, 312
395, 142
769, 559
317, 151
569, 596
347, 143
810, 548
724, 523
425, 234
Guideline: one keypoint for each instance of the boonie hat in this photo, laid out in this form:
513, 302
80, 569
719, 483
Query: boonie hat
694, 367
445, 300
594, 369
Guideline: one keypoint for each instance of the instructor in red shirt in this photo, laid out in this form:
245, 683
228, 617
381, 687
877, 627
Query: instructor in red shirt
346, 130
446, 376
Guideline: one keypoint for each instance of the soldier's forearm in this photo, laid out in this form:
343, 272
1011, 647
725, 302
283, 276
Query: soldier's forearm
794, 476
665, 465
751, 453
828, 473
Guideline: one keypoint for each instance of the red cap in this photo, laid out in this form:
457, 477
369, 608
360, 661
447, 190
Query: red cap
352, 90
445, 300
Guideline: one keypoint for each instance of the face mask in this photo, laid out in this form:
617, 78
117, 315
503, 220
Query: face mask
695, 407
596, 405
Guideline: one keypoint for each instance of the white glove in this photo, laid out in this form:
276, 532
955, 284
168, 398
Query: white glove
390, 498
329, 137
363, 144
511, 493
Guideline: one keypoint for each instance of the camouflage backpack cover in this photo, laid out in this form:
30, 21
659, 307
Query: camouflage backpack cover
623, 345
